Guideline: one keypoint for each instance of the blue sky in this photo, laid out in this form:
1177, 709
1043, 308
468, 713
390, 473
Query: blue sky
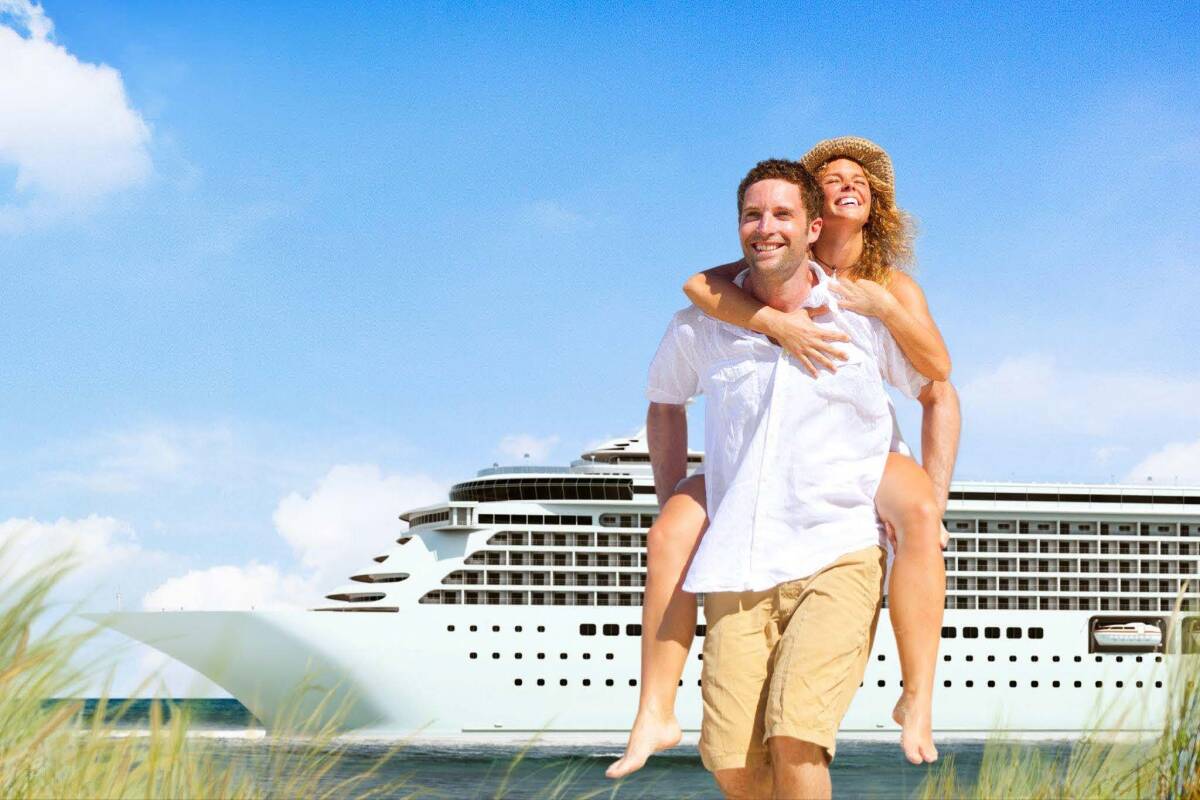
273, 272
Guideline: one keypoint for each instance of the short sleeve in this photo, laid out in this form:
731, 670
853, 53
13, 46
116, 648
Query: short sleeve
673, 378
894, 365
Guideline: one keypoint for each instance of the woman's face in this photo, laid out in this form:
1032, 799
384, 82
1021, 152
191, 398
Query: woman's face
847, 192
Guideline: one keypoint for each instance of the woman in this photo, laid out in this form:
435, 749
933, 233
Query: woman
865, 241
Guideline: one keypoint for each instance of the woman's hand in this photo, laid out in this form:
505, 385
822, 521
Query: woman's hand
806, 341
863, 297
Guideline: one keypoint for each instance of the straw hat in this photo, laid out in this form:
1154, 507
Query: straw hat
874, 158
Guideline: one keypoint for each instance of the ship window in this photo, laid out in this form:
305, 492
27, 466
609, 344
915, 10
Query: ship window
541, 656
1055, 684
1078, 684
633, 681
881, 684
587, 629
881, 657
633, 630
1139, 684
991, 632
970, 684
1034, 684
701, 630
970, 632
608, 656
474, 655
1036, 633
517, 682
495, 656
991, 658
587, 656
612, 630
1099, 684
949, 633
541, 681
518, 655
563, 656
1078, 659
946, 684
587, 681
991, 684
1013, 633
450, 628
970, 658
1012, 658
1158, 684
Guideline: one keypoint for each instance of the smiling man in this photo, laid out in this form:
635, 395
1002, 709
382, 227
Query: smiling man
791, 564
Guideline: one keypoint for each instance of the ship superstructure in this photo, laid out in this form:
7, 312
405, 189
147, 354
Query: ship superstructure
514, 606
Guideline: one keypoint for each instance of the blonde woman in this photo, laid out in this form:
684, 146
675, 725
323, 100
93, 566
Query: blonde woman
865, 242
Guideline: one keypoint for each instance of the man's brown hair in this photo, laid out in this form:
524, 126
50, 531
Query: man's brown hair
784, 170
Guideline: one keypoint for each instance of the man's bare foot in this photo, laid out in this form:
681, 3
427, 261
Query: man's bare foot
916, 729
649, 735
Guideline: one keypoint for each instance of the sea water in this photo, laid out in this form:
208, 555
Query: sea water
469, 769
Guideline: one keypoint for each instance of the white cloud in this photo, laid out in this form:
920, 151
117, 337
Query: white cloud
554, 216
231, 588
68, 128
1035, 393
136, 459
519, 445
350, 516
1177, 462
100, 546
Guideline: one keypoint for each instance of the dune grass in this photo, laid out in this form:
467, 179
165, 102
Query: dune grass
1097, 766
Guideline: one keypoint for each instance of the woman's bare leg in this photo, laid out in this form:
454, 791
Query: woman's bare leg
916, 596
668, 624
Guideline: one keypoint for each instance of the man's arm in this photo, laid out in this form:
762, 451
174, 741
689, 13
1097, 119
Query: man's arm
940, 426
666, 436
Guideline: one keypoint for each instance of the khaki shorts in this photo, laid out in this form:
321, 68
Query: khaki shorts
788, 660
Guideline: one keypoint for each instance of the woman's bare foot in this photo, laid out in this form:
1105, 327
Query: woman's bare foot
915, 719
649, 735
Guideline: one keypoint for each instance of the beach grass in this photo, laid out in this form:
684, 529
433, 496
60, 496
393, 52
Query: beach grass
50, 749
1098, 765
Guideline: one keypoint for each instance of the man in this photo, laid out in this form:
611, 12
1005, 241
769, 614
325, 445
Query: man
791, 562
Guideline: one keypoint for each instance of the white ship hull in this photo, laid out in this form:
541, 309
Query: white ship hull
406, 674
514, 607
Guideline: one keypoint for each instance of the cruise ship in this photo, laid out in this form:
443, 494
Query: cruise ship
513, 607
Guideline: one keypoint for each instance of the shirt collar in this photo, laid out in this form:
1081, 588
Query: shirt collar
819, 296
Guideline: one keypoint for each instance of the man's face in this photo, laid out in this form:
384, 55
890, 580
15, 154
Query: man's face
774, 229
847, 192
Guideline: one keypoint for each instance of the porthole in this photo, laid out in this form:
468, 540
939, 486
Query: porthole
1078, 659
633, 681
517, 629
1033, 658
1055, 684
991, 658
1099, 659
681, 681
991, 684
587, 629
945, 658
1099, 684
608, 682
881, 684
991, 632
541, 628
1078, 684
1120, 659
495, 655
1139, 659
517, 682
587, 681
881, 657
612, 630
495, 629
1139, 684
946, 684
1120, 684
608, 656
1158, 684
633, 629
587, 656
474, 628
450, 628
518, 655
1055, 659
474, 655
970, 658
970, 684
1012, 684
541, 656
541, 681
562, 656
1034, 684
1012, 658
698, 683
562, 681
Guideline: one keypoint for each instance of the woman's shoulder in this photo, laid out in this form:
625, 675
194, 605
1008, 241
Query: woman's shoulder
903, 285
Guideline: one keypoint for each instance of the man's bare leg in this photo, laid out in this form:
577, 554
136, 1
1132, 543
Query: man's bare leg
799, 770
746, 783
668, 624
916, 597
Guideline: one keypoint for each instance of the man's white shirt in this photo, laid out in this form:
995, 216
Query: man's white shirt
792, 462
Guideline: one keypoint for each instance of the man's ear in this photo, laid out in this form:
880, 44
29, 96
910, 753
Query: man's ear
814, 229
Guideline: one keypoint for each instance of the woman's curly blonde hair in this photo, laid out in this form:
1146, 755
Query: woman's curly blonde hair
887, 236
